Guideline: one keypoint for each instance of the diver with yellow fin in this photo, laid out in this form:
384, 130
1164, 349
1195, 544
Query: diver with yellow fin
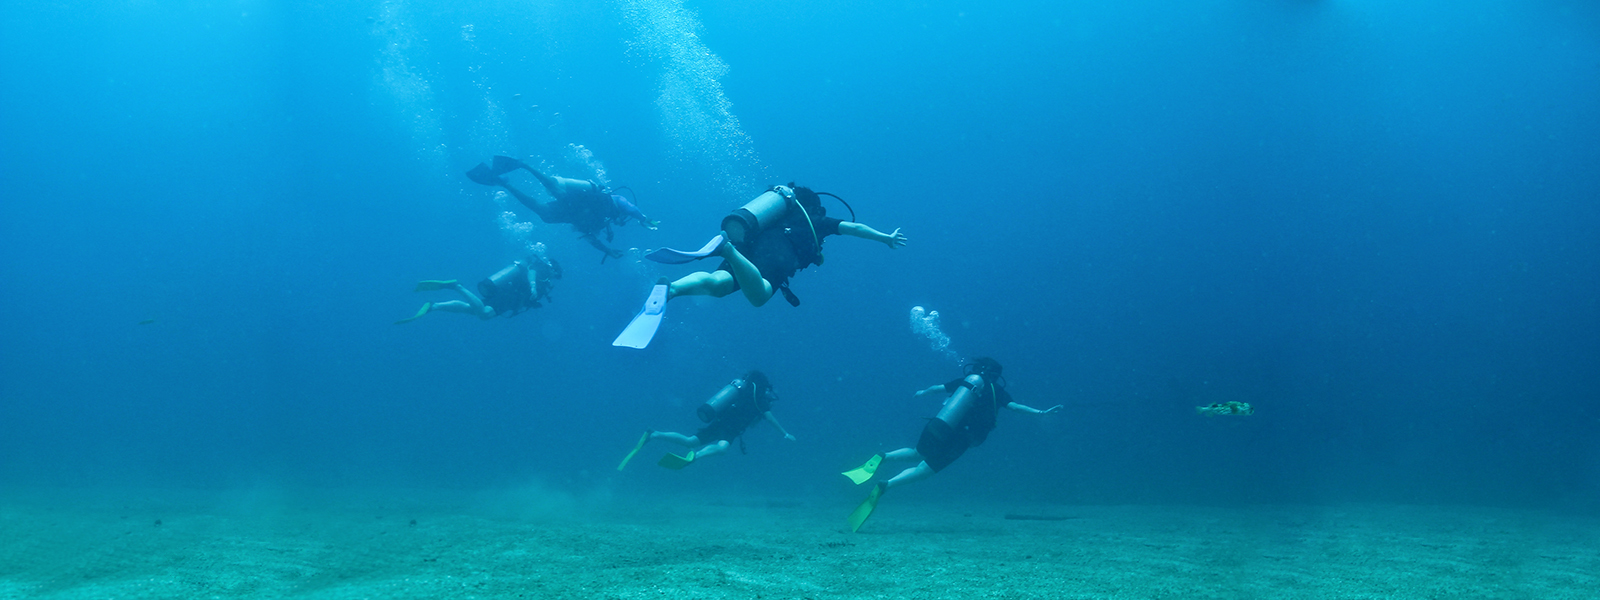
734, 408
970, 409
762, 245
520, 286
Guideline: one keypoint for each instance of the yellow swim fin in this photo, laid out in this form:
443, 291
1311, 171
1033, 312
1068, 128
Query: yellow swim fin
636, 447
860, 514
431, 285
864, 472
426, 306
675, 462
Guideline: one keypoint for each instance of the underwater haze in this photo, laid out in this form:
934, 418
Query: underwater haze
1375, 222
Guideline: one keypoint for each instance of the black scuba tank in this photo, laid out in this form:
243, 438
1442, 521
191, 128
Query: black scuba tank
507, 288
766, 210
961, 402
721, 401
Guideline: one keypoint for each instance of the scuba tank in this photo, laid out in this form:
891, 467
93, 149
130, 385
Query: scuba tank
767, 209
507, 288
720, 402
961, 402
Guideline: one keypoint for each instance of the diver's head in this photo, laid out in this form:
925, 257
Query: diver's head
758, 379
808, 199
985, 367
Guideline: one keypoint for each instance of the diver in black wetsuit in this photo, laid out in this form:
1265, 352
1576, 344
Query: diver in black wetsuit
762, 244
759, 259
589, 207
521, 286
727, 414
970, 409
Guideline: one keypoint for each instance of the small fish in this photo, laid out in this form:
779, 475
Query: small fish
147, 321
1232, 407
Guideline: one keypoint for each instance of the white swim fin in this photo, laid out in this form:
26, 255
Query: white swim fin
643, 327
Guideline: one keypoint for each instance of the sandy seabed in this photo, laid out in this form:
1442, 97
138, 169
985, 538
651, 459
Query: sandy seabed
528, 548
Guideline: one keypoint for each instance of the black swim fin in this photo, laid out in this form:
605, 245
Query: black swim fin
484, 175
506, 164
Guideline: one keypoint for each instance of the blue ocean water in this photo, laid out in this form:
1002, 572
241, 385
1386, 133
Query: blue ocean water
1375, 222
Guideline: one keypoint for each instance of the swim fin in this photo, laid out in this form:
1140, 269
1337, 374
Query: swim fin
644, 325
860, 514
506, 164
435, 284
675, 462
484, 175
678, 257
864, 472
636, 448
426, 306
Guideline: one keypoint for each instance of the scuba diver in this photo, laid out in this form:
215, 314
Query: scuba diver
727, 414
762, 244
585, 204
518, 287
969, 413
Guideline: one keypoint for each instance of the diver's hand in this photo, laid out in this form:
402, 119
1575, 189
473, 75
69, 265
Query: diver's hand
1052, 410
651, 224
928, 390
895, 239
790, 437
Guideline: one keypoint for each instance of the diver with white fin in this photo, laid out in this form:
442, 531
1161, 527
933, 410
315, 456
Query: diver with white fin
762, 245
520, 286
734, 408
585, 204
969, 414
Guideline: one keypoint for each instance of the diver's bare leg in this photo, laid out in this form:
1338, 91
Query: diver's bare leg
534, 205
558, 186
687, 441
756, 289
457, 306
473, 299
912, 475
902, 454
712, 449
715, 284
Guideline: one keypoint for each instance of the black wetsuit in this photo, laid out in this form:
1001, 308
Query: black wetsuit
522, 291
785, 248
941, 444
745, 410
589, 211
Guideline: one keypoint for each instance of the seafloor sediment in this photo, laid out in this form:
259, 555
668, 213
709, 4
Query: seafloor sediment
526, 548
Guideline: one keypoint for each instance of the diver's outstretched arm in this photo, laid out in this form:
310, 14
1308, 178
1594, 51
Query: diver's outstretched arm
1023, 408
894, 239
774, 421
934, 389
629, 209
601, 246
